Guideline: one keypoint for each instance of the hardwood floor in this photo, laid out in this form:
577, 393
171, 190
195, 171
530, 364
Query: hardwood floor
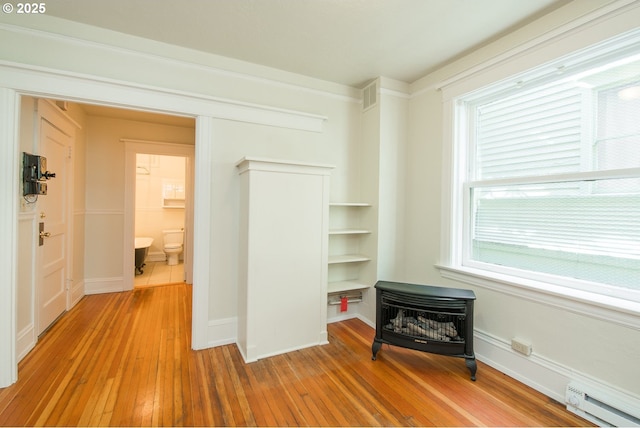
124, 359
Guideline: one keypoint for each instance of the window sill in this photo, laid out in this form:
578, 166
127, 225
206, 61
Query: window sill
611, 309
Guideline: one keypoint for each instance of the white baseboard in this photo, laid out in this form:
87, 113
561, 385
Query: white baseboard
77, 293
222, 332
225, 332
103, 285
159, 256
535, 371
367, 321
156, 256
343, 316
257, 357
25, 341
539, 373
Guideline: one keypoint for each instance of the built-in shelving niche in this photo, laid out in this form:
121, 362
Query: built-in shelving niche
345, 259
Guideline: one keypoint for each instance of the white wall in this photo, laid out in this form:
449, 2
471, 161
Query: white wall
210, 81
105, 189
235, 140
568, 340
79, 202
382, 177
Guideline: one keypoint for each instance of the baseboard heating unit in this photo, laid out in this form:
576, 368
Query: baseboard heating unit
602, 408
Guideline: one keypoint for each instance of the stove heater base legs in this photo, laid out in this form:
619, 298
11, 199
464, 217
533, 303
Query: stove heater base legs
375, 347
470, 362
472, 366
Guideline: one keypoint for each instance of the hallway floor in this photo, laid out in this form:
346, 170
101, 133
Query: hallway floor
159, 273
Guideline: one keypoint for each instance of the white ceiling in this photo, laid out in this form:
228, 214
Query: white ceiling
344, 41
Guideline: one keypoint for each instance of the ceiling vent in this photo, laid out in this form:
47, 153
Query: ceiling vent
369, 96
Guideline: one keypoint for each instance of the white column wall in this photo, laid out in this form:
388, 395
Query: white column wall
8, 230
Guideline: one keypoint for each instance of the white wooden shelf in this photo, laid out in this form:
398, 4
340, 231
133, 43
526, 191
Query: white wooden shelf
349, 204
348, 231
340, 286
348, 258
345, 266
173, 203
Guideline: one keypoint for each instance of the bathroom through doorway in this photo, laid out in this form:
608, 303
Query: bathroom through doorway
159, 219
159, 212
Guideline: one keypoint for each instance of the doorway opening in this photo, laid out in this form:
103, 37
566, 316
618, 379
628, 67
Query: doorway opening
98, 225
139, 98
160, 220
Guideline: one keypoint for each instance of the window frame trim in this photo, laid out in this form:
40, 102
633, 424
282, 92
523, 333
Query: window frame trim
600, 26
609, 174
564, 287
465, 121
606, 308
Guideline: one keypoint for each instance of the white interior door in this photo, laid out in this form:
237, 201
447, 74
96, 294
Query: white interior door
51, 293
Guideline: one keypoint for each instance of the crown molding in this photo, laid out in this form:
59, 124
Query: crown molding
198, 61
59, 84
547, 37
551, 36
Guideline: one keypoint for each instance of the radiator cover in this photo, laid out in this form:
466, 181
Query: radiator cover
602, 407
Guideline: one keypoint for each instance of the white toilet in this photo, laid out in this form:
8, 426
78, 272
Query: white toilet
172, 241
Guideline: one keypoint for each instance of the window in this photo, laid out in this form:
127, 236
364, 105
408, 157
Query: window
551, 188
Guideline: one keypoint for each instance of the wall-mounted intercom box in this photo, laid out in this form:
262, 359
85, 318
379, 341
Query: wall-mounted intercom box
34, 174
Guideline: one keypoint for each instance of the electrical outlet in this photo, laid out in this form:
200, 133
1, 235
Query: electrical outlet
521, 346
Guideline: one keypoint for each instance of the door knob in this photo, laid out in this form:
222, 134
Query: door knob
43, 234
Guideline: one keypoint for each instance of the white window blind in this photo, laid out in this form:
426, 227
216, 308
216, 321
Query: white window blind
537, 132
554, 178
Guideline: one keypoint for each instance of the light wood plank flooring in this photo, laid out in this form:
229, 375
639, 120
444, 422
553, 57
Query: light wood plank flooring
124, 359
